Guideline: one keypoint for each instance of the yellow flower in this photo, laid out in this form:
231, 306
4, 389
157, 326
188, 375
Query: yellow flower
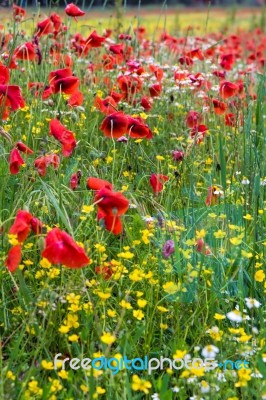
56, 386
13, 239
73, 338
125, 304
125, 254
87, 209
248, 217
45, 263
162, 309
140, 384
84, 388
243, 376
10, 375
111, 313
160, 158
219, 234
200, 234
138, 314
107, 338
103, 296
170, 287
179, 354
246, 254
100, 390
142, 303
63, 374
259, 275
219, 316
236, 240
72, 298
47, 364
72, 321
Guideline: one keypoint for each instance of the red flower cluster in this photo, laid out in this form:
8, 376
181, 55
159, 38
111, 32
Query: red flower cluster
111, 205
23, 224
157, 182
10, 95
15, 159
64, 136
60, 248
118, 124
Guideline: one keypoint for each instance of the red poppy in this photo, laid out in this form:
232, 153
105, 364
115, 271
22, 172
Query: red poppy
36, 88
110, 203
198, 132
25, 51
230, 119
146, 103
227, 61
67, 85
228, 89
76, 99
15, 161
219, 74
60, 248
22, 147
18, 11
157, 181
56, 20
113, 224
59, 74
114, 125
185, 60
36, 225
213, 194
106, 106
105, 271
73, 11
21, 226
42, 163
203, 248
129, 85
137, 129
64, 136
75, 180
117, 48
44, 27
196, 53
4, 75
219, 107
97, 184
10, 97
13, 258
94, 40
193, 118
155, 90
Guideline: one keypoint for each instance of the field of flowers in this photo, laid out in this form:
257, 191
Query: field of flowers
133, 205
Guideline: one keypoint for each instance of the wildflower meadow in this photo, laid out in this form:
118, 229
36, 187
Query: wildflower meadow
132, 204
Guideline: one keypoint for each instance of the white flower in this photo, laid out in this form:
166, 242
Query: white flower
245, 182
210, 351
155, 396
175, 389
221, 377
235, 316
205, 387
251, 303
256, 374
